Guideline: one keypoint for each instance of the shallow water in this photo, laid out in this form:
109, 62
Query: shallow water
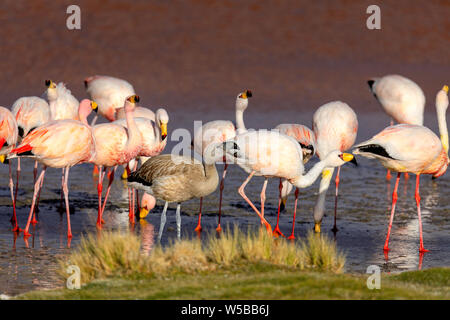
363, 211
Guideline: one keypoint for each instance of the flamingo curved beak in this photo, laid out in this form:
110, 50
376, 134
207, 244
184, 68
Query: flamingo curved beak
143, 213
163, 131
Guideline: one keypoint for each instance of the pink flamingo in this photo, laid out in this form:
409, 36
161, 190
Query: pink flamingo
401, 98
154, 141
116, 145
220, 131
411, 148
335, 125
109, 93
30, 113
63, 105
272, 154
8, 139
307, 140
59, 144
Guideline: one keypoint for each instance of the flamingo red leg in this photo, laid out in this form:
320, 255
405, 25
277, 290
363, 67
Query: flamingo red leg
277, 232
11, 187
111, 174
66, 197
14, 219
241, 191
335, 229
417, 196
37, 186
199, 223
388, 175
291, 237
394, 202
99, 193
222, 182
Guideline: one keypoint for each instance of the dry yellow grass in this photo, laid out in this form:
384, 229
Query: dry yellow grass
118, 254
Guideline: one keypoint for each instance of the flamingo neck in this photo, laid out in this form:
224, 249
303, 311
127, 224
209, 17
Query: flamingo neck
443, 131
303, 181
240, 121
134, 135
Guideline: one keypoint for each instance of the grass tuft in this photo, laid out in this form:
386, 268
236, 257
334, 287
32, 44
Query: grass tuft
118, 254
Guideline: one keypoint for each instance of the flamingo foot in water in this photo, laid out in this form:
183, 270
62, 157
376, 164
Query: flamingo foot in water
219, 228
423, 250
277, 232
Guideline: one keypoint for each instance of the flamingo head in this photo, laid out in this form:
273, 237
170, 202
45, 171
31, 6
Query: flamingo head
130, 103
162, 119
242, 100
148, 202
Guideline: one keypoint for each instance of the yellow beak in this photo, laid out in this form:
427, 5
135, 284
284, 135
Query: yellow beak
317, 227
94, 106
445, 88
2, 158
163, 130
143, 213
124, 175
347, 157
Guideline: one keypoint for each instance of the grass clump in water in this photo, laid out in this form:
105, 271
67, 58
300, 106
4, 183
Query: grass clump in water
119, 254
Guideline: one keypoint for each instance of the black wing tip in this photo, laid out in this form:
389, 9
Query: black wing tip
370, 82
375, 149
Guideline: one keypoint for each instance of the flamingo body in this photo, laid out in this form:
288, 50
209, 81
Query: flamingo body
59, 144
407, 148
109, 93
30, 113
63, 105
400, 97
8, 130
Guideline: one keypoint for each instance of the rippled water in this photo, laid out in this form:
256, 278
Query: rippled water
363, 213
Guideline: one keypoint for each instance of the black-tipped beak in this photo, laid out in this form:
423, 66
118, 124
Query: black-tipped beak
353, 161
249, 94
47, 83
370, 83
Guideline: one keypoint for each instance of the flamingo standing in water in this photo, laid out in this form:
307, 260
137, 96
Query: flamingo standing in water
59, 144
109, 93
8, 139
271, 154
30, 113
153, 143
220, 131
401, 98
116, 144
307, 140
335, 125
150, 125
411, 148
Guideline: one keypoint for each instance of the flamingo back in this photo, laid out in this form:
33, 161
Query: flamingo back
270, 154
8, 128
61, 143
213, 132
30, 113
401, 98
109, 93
335, 125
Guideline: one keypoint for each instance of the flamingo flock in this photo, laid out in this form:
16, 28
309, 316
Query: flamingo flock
54, 132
